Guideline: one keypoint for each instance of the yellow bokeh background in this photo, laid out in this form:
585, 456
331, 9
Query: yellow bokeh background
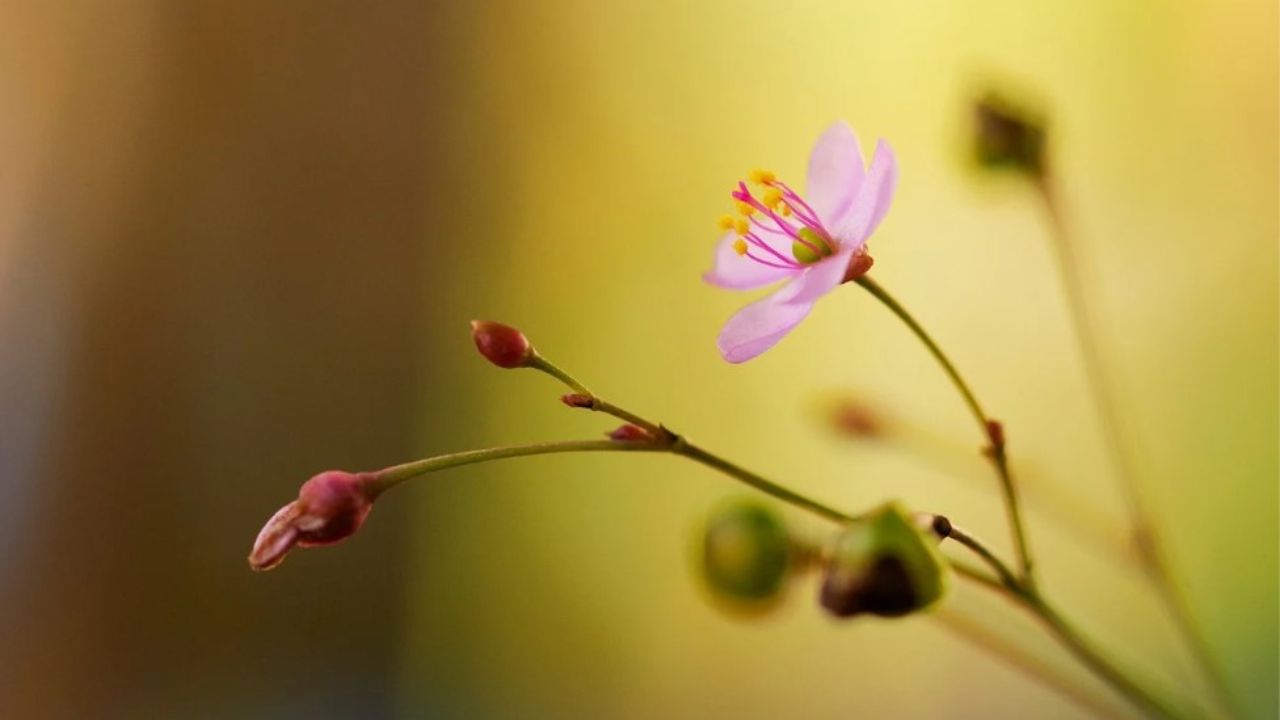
239, 245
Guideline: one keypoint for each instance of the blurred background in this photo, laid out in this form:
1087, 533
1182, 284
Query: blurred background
240, 243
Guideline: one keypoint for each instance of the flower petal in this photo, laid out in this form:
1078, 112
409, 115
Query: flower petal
759, 326
276, 539
873, 198
819, 279
835, 174
737, 272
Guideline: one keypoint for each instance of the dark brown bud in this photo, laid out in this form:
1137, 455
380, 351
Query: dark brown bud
500, 344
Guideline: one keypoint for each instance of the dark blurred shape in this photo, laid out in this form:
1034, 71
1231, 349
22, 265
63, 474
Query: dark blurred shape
1008, 137
883, 565
746, 553
230, 236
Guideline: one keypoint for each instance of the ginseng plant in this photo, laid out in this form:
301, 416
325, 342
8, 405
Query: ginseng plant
885, 561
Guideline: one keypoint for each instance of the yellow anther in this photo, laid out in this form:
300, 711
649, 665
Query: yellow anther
740, 246
725, 222
745, 209
785, 210
772, 197
763, 177
740, 226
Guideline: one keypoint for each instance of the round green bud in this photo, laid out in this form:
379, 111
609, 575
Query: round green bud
746, 552
883, 565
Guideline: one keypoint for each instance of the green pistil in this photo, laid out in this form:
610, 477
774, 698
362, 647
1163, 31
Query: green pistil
805, 254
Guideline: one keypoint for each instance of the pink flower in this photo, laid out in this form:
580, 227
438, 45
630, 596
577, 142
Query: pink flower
815, 243
330, 508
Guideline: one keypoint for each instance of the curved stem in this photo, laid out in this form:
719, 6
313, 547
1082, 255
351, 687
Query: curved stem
1083, 649
1006, 576
1020, 589
396, 474
990, 429
671, 442
716, 462
1151, 551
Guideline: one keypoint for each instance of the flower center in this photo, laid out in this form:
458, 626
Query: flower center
779, 216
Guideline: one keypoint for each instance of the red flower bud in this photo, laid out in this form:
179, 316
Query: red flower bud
630, 433
576, 400
500, 344
330, 508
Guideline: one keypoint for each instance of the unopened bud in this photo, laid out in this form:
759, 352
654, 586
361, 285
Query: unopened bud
883, 565
630, 433
746, 553
330, 508
500, 344
1005, 136
576, 400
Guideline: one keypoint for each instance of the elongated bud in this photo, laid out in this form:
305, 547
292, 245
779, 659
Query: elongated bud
630, 433
500, 344
884, 565
330, 508
576, 400
746, 554
1005, 136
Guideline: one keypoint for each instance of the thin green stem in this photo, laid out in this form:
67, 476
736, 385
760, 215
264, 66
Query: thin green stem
1003, 573
680, 446
711, 460
537, 362
1151, 550
1021, 589
397, 474
990, 430
1083, 649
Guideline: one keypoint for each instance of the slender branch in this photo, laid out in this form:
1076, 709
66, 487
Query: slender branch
397, 474
1005, 576
1151, 550
1020, 589
711, 460
1085, 651
975, 632
990, 429
674, 443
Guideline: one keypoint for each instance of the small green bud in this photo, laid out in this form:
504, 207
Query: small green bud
1005, 136
746, 553
883, 565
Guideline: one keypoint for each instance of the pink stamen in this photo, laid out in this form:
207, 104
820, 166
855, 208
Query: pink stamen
742, 194
757, 242
762, 261
793, 198
765, 228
